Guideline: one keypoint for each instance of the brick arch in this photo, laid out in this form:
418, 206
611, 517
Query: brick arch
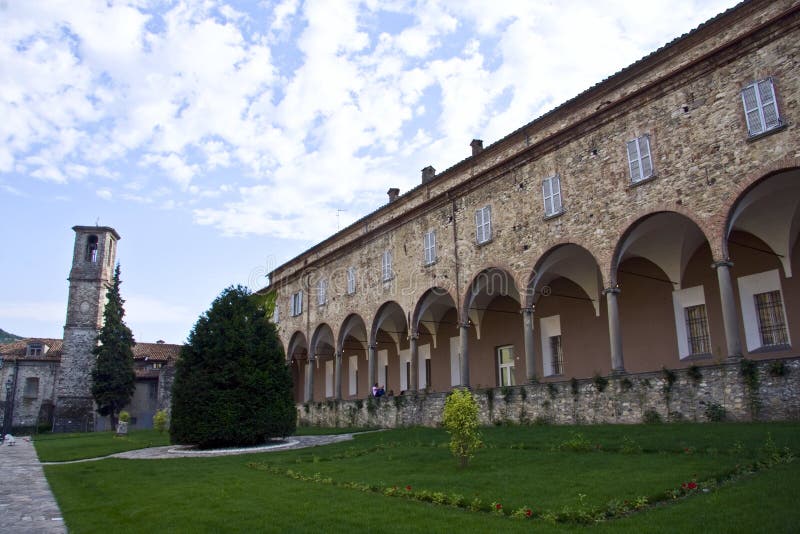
609, 261
372, 331
418, 302
515, 276
720, 222
342, 329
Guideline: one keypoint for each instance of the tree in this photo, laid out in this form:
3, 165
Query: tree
232, 385
113, 379
461, 422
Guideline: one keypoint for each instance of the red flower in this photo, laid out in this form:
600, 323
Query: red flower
528, 512
692, 485
408, 488
683, 485
498, 506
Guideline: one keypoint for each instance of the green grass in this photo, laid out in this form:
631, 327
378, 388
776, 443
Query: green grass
520, 466
321, 431
65, 447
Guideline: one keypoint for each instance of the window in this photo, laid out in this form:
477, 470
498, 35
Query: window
297, 304
91, 249
556, 355
771, 321
551, 192
761, 107
641, 166
351, 280
505, 365
429, 246
35, 349
763, 311
322, 289
483, 224
552, 351
31, 387
691, 322
697, 330
386, 266
157, 365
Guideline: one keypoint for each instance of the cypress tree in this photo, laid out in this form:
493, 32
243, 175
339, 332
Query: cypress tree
232, 385
113, 378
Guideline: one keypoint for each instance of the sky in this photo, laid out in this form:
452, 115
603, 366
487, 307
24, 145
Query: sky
223, 138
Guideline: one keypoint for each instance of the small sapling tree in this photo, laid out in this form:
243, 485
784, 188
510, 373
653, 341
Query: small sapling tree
461, 422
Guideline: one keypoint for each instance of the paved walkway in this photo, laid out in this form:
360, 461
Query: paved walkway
27, 505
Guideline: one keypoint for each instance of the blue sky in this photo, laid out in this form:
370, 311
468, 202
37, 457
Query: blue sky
221, 139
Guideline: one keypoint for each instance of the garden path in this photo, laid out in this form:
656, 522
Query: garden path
27, 505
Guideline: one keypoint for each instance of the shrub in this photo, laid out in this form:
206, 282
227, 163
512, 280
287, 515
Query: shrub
778, 368
232, 385
124, 417
600, 382
651, 417
715, 412
160, 421
460, 419
694, 373
576, 443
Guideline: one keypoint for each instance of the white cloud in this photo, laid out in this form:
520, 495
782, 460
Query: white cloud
105, 194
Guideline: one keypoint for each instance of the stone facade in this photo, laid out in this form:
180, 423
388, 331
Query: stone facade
635, 272
717, 393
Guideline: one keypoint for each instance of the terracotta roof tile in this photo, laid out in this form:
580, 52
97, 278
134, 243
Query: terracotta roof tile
19, 349
156, 352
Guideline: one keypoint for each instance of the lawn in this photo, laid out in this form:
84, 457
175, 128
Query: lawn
65, 447
392, 481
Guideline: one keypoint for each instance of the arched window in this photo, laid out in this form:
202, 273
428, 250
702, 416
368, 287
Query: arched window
91, 249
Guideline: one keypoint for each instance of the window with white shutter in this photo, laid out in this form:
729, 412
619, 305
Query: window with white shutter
483, 224
761, 107
386, 265
429, 246
641, 166
351, 280
322, 290
297, 304
551, 193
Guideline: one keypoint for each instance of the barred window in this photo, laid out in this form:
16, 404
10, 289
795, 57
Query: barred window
556, 355
771, 321
697, 329
639, 161
761, 107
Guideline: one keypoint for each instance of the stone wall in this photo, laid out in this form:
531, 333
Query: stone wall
624, 399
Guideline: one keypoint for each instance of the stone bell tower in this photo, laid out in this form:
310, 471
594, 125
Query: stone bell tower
93, 261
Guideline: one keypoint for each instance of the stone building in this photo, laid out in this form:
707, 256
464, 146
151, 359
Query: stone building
650, 222
48, 381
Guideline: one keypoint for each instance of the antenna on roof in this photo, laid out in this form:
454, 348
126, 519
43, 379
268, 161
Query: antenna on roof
97, 222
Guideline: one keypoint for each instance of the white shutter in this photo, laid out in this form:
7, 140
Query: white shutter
555, 184
633, 160
292, 311
351, 280
547, 195
644, 156
487, 223
479, 225
766, 93
751, 113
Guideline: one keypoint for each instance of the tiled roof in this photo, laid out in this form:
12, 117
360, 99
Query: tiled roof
156, 352
19, 349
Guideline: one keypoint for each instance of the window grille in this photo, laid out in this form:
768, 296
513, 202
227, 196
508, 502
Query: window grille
697, 329
771, 321
556, 355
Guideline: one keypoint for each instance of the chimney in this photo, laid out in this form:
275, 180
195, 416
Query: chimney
477, 146
393, 194
428, 173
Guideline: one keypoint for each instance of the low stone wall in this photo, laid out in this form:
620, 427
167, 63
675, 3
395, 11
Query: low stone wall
692, 394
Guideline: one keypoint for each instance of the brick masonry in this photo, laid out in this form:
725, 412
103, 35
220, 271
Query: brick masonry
625, 399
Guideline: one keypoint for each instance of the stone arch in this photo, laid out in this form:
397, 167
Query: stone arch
391, 315
355, 327
669, 250
430, 308
297, 344
323, 333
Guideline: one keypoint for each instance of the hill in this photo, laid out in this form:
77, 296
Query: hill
6, 337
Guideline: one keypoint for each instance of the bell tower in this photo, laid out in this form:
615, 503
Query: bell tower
93, 261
